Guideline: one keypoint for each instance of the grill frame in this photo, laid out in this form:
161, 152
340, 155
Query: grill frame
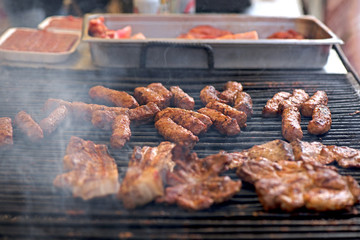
32, 208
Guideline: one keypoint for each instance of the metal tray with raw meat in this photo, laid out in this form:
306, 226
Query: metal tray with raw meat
161, 48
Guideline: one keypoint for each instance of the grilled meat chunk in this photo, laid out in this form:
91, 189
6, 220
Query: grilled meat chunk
28, 126
195, 183
161, 90
113, 97
271, 108
92, 172
319, 98
346, 157
298, 97
312, 152
181, 99
210, 94
321, 120
291, 128
144, 113
230, 90
174, 132
6, 132
289, 185
54, 119
145, 95
103, 119
184, 118
224, 124
243, 102
239, 116
145, 176
121, 132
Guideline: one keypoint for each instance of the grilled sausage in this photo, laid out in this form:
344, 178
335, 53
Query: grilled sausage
291, 128
103, 119
239, 116
210, 94
53, 120
6, 132
161, 90
299, 96
319, 98
28, 126
181, 99
144, 113
321, 120
230, 90
271, 108
121, 132
145, 95
224, 124
243, 102
111, 96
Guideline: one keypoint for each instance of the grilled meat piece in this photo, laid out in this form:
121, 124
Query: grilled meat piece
53, 120
121, 132
243, 102
239, 116
271, 108
28, 126
160, 89
346, 157
230, 90
181, 99
312, 152
174, 132
145, 176
113, 97
319, 98
298, 97
195, 183
145, 95
184, 118
321, 120
144, 113
224, 124
289, 185
92, 172
210, 94
103, 119
6, 132
291, 128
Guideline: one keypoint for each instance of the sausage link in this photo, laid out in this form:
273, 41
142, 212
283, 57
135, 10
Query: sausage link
210, 94
28, 126
181, 99
321, 120
243, 102
111, 96
271, 108
54, 119
299, 96
239, 116
319, 98
121, 132
230, 90
6, 132
291, 128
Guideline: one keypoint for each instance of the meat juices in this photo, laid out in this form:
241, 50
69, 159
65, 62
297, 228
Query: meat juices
113, 97
28, 126
298, 97
92, 172
321, 120
224, 124
239, 116
121, 132
230, 90
181, 99
243, 102
6, 132
271, 108
55, 118
210, 94
319, 98
291, 128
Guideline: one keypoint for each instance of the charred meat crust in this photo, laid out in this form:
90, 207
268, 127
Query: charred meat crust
319, 98
321, 120
271, 109
181, 99
291, 128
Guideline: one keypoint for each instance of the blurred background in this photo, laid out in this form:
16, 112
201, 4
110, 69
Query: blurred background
341, 16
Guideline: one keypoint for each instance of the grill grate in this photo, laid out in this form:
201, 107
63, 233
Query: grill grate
31, 207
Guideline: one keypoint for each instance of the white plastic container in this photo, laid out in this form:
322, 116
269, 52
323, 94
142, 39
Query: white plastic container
146, 6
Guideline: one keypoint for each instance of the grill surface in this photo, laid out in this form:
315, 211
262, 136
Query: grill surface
30, 207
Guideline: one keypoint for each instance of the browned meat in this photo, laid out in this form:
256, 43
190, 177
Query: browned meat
243, 102
291, 128
144, 113
181, 99
312, 152
299, 96
55, 118
289, 185
53, 103
144, 179
6, 132
184, 118
113, 97
28, 126
175, 133
210, 94
230, 90
239, 116
160, 89
224, 124
103, 119
321, 120
202, 117
195, 183
346, 157
121, 132
92, 171
319, 98
271, 108
145, 95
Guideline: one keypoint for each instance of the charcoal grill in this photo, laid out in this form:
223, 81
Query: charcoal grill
30, 207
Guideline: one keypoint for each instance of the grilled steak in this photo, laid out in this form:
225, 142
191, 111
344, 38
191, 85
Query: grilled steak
181, 99
6, 132
319, 98
113, 97
271, 108
28, 126
321, 120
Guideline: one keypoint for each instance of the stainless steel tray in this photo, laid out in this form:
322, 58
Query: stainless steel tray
161, 49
